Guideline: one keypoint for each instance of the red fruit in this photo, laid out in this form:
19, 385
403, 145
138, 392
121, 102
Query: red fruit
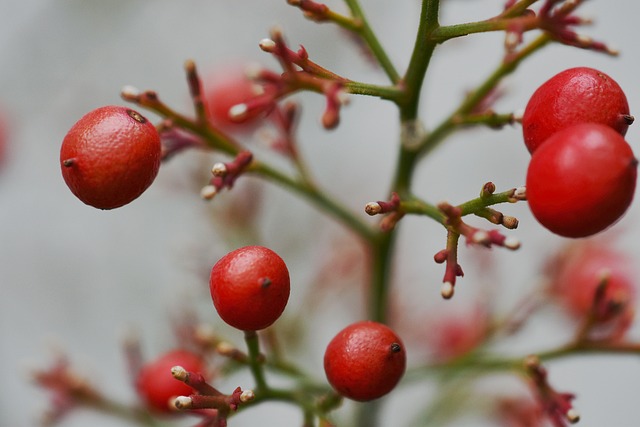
365, 361
582, 180
110, 157
579, 273
225, 93
158, 387
250, 287
577, 95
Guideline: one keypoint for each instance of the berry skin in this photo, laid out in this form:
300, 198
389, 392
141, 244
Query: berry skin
250, 287
110, 157
576, 95
157, 386
365, 361
582, 180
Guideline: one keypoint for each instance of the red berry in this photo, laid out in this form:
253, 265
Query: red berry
250, 287
110, 157
582, 180
225, 93
158, 387
576, 95
365, 361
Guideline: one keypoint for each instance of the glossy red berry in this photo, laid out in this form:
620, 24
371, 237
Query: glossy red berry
250, 287
576, 95
157, 386
582, 180
110, 157
365, 361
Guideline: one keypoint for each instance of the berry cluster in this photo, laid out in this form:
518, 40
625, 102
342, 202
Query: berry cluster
580, 180
582, 174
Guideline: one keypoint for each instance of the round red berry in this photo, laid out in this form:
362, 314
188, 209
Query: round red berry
250, 287
110, 156
576, 95
365, 361
582, 180
157, 386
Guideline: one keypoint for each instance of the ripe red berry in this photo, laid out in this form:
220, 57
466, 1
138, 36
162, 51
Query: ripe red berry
582, 180
365, 361
576, 95
110, 157
157, 386
250, 287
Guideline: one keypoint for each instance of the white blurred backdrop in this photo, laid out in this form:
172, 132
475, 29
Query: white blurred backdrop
76, 279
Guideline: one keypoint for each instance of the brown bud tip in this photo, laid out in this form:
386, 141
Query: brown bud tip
628, 119
247, 396
510, 222
179, 373
573, 416
488, 189
219, 169
67, 163
372, 208
396, 348
183, 402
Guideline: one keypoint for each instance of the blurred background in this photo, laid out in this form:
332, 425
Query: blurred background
77, 280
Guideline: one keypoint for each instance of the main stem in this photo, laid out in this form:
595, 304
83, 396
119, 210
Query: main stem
383, 248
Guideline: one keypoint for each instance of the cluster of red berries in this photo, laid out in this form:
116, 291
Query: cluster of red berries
250, 289
582, 174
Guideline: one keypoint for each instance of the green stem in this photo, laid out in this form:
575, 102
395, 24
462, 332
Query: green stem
255, 363
317, 197
508, 66
368, 35
420, 58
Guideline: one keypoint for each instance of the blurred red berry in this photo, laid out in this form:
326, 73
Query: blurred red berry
582, 180
234, 101
578, 273
365, 361
577, 95
110, 157
157, 386
454, 334
250, 287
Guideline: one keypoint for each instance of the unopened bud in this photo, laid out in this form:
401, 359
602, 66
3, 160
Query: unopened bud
219, 169
208, 192
267, 45
183, 402
247, 396
447, 290
179, 373
129, 92
573, 416
238, 111
373, 208
511, 243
